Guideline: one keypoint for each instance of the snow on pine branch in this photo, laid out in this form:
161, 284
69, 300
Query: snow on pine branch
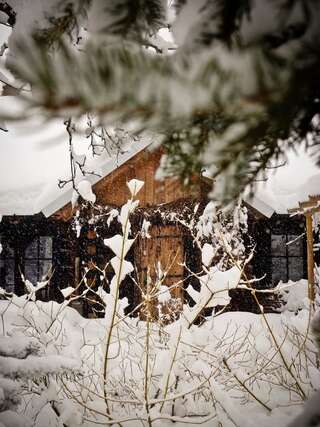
127, 82
127, 18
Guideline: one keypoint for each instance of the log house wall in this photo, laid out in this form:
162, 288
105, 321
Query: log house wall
112, 190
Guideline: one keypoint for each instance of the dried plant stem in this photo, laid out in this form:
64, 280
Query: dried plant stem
146, 370
170, 369
113, 316
266, 322
244, 386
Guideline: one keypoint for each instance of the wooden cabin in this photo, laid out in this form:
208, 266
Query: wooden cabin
47, 244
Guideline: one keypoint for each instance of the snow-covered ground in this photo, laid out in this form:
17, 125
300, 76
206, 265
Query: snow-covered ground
237, 369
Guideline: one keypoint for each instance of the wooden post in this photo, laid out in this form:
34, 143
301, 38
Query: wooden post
76, 271
311, 291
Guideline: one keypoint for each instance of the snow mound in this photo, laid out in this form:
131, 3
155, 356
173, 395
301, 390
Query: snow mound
295, 296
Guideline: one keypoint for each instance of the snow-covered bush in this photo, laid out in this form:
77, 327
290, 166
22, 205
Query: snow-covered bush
233, 368
227, 370
34, 356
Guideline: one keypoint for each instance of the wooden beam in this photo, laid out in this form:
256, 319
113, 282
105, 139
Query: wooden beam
307, 204
311, 290
76, 271
304, 211
294, 210
315, 198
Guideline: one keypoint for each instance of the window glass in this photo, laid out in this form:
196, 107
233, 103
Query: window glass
7, 250
7, 274
45, 267
45, 247
32, 249
38, 259
279, 270
278, 245
295, 268
7, 266
31, 270
287, 260
296, 247
10, 271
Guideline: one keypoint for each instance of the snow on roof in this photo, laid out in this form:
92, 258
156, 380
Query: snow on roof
19, 202
48, 197
48, 204
281, 202
259, 205
290, 184
35, 155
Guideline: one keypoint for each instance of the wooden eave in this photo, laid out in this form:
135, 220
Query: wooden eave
310, 206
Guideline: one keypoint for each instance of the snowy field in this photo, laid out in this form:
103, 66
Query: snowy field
236, 369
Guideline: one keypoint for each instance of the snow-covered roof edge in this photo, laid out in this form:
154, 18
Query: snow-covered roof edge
260, 206
108, 167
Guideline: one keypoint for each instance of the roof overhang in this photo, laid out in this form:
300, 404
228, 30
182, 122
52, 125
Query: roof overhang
260, 206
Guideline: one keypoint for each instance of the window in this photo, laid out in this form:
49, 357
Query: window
7, 266
286, 257
38, 259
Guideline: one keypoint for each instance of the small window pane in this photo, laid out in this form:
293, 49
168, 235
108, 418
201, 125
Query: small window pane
45, 247
45, 267
278, 245
10, 271
2, 273
295, 248
32, 249
7, 274
31, 271
279, 270
295, 268
7, 250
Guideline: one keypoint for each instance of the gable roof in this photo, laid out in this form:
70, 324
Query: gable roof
48, 205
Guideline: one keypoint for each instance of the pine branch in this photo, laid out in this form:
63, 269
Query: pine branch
135, 18
123, 79
223, 107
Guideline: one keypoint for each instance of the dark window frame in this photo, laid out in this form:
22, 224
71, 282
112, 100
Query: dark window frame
6, 258
289, 237
38, 258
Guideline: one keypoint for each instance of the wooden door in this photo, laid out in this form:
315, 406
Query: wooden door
162, 252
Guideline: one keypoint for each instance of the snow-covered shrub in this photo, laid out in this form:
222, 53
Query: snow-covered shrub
34, 355
294, 295
310, 416
231, 369
227, 368
146, 370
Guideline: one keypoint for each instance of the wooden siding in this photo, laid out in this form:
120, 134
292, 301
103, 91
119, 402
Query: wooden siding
164, 250
112, 190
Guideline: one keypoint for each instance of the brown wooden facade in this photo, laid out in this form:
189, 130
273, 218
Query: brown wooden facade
113, 191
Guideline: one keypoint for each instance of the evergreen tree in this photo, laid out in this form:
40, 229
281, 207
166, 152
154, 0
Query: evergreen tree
242, 80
